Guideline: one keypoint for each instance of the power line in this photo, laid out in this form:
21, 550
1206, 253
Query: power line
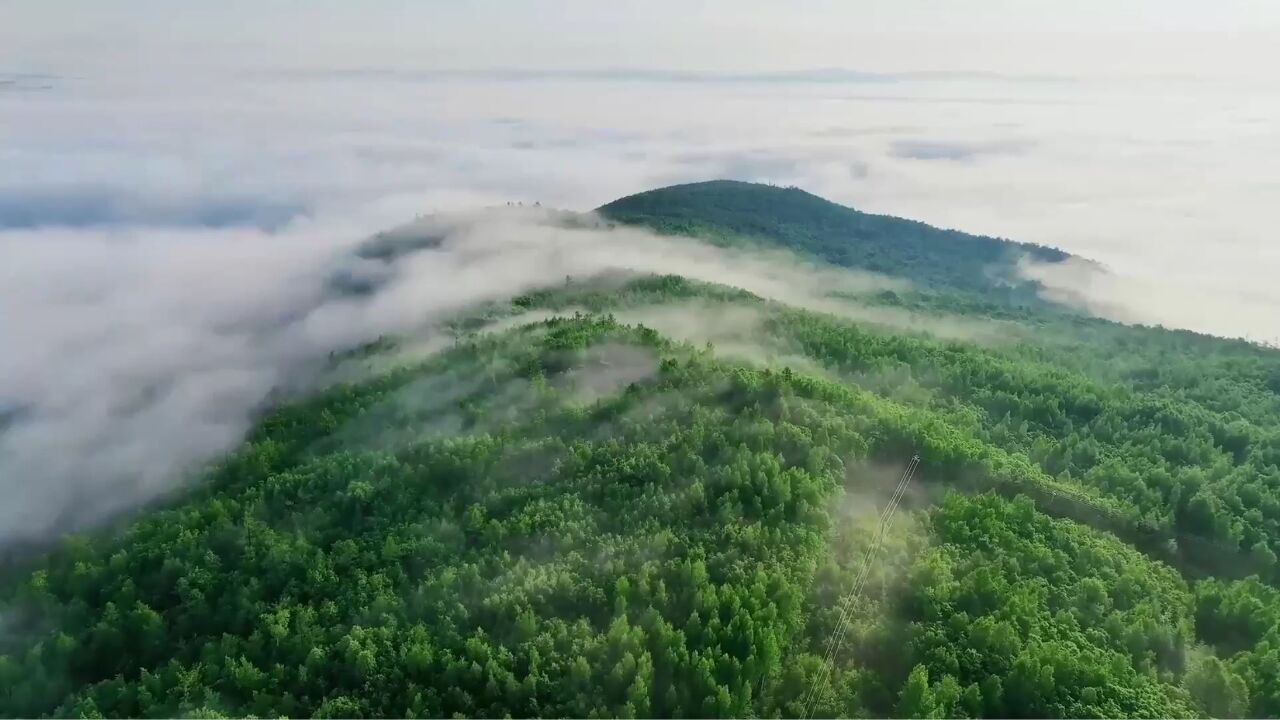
846, 612
837, 638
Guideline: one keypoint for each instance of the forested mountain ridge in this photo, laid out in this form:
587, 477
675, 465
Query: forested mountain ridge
656, 498
790, 217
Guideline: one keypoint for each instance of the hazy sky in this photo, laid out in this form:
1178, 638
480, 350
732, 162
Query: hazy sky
1083, 36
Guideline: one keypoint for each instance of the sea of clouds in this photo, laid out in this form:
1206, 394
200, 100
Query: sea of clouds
166, 235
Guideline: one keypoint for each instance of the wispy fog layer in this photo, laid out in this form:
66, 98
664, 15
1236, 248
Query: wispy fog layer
132, 356
1216, 304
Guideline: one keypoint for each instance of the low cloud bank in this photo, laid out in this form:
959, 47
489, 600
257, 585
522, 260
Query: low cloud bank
1223, 306
138, 355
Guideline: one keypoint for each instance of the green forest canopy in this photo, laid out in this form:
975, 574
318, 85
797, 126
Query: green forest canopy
586, 516
729, 211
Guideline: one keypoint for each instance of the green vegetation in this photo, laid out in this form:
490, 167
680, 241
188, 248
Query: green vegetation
588, 516
726, 210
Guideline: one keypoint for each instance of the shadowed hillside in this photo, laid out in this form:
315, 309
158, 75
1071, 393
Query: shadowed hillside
807, 223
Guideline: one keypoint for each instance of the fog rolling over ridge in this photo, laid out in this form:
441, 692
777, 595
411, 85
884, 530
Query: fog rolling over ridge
135, 359
1219, 306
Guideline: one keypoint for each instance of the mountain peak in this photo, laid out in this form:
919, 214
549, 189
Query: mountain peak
797, 219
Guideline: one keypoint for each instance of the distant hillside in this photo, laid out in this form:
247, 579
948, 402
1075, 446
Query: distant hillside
794, 218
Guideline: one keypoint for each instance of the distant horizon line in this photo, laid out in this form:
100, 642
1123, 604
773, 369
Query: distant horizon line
831, 75
659, 74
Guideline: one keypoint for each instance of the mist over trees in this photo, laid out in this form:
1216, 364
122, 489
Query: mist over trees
567, 511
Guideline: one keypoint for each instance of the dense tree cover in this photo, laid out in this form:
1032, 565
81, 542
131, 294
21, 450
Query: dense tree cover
543, 569
1226, 375
1175, 434
583, 516
729, 210
1241, 620
1188, 468
476, 535
1015, 614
